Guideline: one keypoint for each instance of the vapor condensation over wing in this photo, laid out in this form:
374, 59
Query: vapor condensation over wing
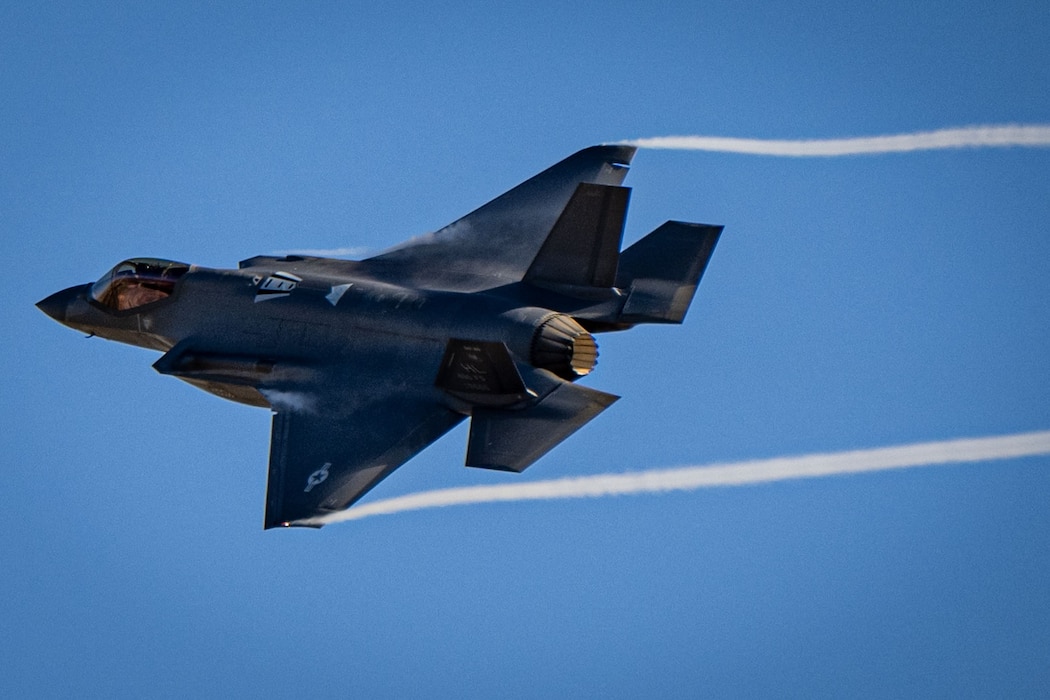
325, 252
760, 471
989, 136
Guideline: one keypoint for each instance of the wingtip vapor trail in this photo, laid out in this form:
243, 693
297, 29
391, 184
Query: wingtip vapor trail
985, 136
716, 475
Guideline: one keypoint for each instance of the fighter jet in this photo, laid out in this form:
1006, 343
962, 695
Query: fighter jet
365, 363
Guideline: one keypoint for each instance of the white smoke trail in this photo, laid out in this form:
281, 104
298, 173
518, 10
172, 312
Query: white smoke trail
989, 136
716, 475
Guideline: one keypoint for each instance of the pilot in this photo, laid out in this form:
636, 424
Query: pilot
134, 293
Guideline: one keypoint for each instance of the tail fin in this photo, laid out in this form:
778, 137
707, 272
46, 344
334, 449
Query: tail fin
661, 271
583, 247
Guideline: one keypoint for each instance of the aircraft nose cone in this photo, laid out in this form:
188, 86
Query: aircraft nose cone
57, 305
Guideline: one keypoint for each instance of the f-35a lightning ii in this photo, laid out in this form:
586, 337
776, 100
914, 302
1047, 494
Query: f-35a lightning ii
365, 363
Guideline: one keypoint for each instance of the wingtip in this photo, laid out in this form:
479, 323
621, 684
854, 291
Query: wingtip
286, 524
617, 153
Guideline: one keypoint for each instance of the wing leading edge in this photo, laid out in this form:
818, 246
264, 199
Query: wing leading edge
496, 243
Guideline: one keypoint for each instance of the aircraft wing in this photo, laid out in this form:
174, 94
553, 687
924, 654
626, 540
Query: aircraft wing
496, 243
331, 444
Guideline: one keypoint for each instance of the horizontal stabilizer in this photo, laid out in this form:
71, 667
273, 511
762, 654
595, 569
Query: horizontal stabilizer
583, 248
511, 440
661, 271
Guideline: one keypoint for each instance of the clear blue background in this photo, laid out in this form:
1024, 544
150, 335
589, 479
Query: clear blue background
855, 302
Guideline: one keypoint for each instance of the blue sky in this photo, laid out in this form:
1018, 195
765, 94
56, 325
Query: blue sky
853, 302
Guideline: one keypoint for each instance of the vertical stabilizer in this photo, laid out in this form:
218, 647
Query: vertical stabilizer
583, 248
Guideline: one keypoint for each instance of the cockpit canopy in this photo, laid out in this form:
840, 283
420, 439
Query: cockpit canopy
137, 282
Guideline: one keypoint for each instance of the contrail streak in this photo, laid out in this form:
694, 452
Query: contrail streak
759, 471
988, 136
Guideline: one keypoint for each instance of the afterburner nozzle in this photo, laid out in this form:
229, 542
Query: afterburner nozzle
562, 346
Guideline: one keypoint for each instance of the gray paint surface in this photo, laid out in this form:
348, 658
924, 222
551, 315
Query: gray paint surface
365, 363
